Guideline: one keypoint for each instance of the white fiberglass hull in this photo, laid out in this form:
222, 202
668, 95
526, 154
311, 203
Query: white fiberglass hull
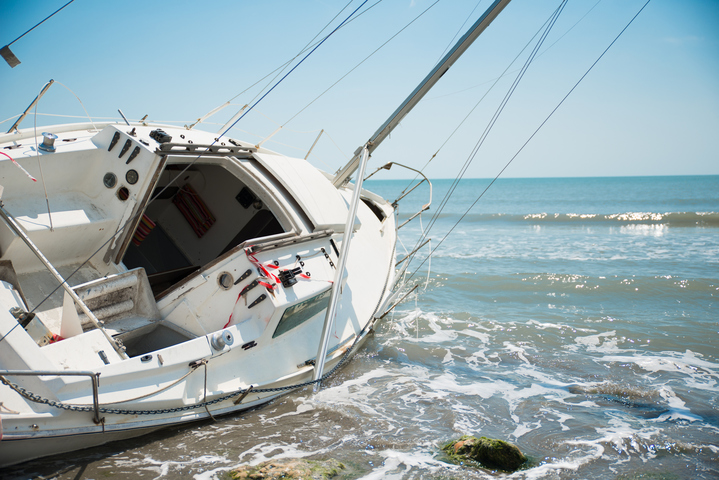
219, 297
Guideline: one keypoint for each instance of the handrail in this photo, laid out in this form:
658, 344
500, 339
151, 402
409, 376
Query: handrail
95, 377
426, 206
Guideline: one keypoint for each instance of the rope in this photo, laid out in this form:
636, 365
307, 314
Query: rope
533, 134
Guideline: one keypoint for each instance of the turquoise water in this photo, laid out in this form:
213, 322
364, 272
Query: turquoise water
576, 318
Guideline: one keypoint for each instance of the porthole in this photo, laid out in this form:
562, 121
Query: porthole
123, 193
131, 176
110, 180
225, 280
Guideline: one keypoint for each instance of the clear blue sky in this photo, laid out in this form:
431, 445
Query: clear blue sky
650, 107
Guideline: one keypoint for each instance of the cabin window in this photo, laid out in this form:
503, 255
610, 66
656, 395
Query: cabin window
299, 313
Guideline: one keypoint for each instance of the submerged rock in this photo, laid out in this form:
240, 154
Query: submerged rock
486, 451
294, 468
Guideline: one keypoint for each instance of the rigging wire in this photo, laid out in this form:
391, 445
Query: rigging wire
540, 54
553, 18
530, 137
288, 62
40, 23
466, 117
291, 70
459, 30
360, 63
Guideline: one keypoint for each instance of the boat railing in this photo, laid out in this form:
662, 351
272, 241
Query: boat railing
94, 377
406, 192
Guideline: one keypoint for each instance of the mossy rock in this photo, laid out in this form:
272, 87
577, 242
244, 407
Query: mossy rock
488, 452
288, 469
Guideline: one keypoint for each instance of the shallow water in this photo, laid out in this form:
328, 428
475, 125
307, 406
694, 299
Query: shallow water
581, 325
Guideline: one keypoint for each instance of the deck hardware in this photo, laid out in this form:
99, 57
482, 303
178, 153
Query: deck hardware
239, 399
48, 142
133, 132
146, 358
135, 152
259, 299
334, 247
221, 339
125, 148
198, 363
224, 279
247, 273
109, 180
132, 177
249, 287
327, 256
160, 136
277, 264
69, 139
159, 357
289, 277
103, 357
114, 140
182, 136
249, 345
147, 144
10, 147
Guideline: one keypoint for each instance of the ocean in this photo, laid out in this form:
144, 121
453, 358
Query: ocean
574, 317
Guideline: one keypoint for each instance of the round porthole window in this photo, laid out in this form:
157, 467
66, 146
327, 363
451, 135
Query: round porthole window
123, 193
110, 180
131, 176
225, 280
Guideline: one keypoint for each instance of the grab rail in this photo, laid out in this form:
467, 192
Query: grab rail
426, 206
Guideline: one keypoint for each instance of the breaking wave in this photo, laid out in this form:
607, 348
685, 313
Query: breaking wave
672, 219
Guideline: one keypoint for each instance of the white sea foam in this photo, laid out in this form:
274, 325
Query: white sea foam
601, 342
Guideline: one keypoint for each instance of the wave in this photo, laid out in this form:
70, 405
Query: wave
672, 219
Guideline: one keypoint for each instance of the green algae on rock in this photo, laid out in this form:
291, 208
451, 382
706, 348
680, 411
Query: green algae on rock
486, 451
288, 469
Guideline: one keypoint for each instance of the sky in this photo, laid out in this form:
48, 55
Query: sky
650, 106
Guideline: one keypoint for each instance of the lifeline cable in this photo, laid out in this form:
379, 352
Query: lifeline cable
533, 134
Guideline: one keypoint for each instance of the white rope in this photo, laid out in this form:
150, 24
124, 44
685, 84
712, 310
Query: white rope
42, 177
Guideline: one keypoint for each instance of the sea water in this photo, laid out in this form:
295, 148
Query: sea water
576, 318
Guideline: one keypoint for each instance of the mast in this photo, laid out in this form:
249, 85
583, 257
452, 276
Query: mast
429, 81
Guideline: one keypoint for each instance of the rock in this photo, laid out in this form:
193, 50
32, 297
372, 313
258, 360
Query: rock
294, 468
487, 452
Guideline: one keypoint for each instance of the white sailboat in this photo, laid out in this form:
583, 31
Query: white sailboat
153, 275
